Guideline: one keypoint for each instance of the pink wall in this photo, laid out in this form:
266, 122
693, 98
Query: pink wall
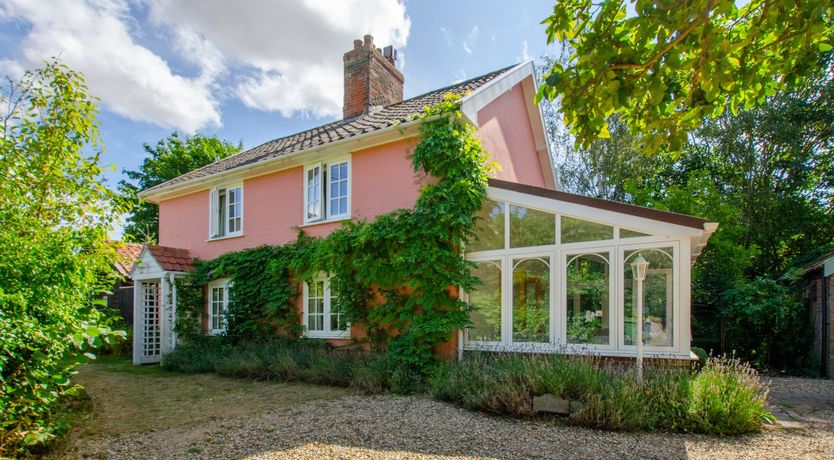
382, 180
506, 133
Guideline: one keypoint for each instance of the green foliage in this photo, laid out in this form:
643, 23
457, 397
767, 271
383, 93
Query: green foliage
291, 361
765, 175
395, 275
727, 398
767, 320
608, 397
171, 157
54, 255
665, 66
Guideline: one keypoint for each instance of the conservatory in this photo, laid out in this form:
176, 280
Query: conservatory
557, 273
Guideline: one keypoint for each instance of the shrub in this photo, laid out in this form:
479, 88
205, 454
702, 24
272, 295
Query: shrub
303, 360
55, 263
725, 398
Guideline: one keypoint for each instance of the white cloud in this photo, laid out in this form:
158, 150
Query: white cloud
471, 40
283, 56
447, 34
525, 52
11, 69
289, 53
131, 80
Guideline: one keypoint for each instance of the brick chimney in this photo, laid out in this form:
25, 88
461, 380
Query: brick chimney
371, 78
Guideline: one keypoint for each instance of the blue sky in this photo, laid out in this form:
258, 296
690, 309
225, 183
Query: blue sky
251, 71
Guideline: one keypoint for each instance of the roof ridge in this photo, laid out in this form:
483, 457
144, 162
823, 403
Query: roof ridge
372, 121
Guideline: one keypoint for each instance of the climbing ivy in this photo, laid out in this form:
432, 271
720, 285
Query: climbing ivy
397, 275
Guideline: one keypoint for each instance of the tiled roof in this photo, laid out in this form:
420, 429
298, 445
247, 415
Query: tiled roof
126, 255
342, 129
171, 259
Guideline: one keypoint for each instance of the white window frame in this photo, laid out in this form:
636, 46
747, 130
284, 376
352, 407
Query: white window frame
226, 285
326, 332
214, 210
325, 214
560, 253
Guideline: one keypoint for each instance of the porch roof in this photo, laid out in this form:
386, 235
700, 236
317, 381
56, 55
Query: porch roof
171, 259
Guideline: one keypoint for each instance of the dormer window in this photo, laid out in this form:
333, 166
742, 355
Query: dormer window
327, 191
226, 211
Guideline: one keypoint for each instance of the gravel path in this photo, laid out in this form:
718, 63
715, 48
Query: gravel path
393, 427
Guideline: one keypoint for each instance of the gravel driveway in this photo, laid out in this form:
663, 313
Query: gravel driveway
354, 426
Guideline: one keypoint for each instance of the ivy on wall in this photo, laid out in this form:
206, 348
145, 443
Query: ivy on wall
396, 276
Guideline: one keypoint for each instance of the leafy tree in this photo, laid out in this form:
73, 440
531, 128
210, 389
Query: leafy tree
54, 255
169, 158
766, 175
664, 66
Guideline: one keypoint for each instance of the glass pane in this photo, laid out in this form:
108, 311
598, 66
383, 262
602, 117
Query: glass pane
576, 230
588, 299
658, 297
334, 173
486, 298
343, 167
529, 227
489, 228
315, 306
343, 188
626, 233
337, 320
531, 300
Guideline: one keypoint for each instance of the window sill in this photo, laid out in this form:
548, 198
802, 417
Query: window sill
227, 237
325, 221
327, 335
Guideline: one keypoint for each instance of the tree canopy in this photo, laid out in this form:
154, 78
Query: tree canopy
766, 175
171, 157
54, 252
665, 66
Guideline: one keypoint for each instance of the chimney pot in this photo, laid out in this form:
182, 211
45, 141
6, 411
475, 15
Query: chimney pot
369, 39
357, 44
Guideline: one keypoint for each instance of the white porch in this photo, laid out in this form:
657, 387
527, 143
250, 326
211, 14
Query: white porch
155, 305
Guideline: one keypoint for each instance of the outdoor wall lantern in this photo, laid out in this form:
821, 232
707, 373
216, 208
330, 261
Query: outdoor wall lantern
639, 268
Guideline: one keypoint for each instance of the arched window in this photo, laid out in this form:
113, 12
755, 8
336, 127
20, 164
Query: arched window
588, 299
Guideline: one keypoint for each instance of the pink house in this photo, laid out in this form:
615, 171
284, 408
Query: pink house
359, 167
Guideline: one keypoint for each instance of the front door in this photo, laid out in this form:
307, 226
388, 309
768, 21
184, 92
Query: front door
151, 334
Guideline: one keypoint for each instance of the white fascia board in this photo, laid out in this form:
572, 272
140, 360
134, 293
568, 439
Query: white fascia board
602, 216
828, 267
473, 102
393, 133
146, 267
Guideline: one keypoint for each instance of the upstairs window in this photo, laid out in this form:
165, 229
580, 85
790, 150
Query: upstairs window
226, 211
327, 191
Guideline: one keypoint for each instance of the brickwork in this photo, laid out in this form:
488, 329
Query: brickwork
371, 80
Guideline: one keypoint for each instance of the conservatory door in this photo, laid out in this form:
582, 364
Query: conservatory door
151, 342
